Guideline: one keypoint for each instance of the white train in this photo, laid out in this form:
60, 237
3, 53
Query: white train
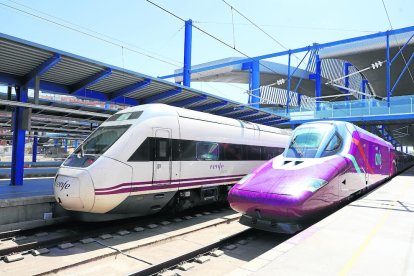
150, 157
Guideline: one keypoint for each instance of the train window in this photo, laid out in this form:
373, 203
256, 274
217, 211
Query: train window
333, 146
162, 149
253, 153
188, 150
232, 152
144, 151
306, 141
125, 116
207, 151
101, 139
270, 152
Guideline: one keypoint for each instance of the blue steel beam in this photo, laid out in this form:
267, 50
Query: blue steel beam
189, 101
225, 111
288, 85
41, 69
76, 88
402, 73
388, 68
162, 95
116, 95
188, 34
257, 119
245, 114
254, 82
210, 106
268, 120
401, 49
346, 79
364, 83
297, 50
10, 79
17, 168
277, 122
63, 89
317, 78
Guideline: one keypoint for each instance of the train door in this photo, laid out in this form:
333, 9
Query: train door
162, 157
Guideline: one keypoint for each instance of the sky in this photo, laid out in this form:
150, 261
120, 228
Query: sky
126, 32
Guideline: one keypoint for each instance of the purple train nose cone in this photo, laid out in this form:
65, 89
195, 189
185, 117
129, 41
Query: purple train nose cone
281, 190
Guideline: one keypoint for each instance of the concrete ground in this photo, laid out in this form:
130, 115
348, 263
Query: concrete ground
373, 235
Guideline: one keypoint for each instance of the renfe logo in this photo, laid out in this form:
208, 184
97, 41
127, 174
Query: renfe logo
217, 167
60, 185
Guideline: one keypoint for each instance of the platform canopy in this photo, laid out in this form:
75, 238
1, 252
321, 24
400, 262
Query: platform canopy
68, 74
270, 73
363, 54
73, 120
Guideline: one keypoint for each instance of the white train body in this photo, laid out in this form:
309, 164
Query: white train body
147, 157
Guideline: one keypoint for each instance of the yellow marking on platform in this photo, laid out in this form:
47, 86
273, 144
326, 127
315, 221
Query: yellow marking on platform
374, 231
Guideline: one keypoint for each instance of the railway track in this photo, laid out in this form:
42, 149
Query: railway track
197, 255
25, 241
107, 242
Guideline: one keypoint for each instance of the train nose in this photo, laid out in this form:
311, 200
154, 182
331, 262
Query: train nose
74, 190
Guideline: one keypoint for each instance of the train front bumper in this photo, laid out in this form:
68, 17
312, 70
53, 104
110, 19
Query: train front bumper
74, 189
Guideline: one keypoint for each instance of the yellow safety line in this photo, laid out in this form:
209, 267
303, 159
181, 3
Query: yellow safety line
351, 262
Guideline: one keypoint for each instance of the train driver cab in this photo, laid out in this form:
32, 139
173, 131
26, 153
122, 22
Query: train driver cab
314, 141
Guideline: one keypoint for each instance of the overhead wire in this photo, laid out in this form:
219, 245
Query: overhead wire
402, 54
290, 26
211, 36
97, 35
257, 26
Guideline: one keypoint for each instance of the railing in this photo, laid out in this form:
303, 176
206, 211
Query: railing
357, 108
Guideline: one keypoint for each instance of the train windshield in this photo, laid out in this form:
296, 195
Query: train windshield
306, 141
96, 144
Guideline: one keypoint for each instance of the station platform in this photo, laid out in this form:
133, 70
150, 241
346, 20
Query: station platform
31, 172
373, 235
30, 205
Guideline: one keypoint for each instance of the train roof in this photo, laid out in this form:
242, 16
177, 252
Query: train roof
163, 109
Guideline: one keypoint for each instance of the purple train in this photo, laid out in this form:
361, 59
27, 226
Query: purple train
325, 164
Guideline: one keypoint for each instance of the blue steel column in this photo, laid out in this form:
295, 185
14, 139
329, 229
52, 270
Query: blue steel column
66, 145
75, 144
318, 92
346, 80
299, 99
19, 137
363, 85
255, 84
187, 52
288, 85
388, 63
34, 150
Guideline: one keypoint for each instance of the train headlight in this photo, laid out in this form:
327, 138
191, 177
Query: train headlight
314, 184
245, 178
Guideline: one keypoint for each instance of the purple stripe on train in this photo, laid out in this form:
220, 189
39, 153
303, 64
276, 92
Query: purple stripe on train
209, 180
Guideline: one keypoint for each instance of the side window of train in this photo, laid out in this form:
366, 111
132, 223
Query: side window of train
188, 150
270, 152
144, 151
333, 146
231, 152
162, 149
253, 153
207, 151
